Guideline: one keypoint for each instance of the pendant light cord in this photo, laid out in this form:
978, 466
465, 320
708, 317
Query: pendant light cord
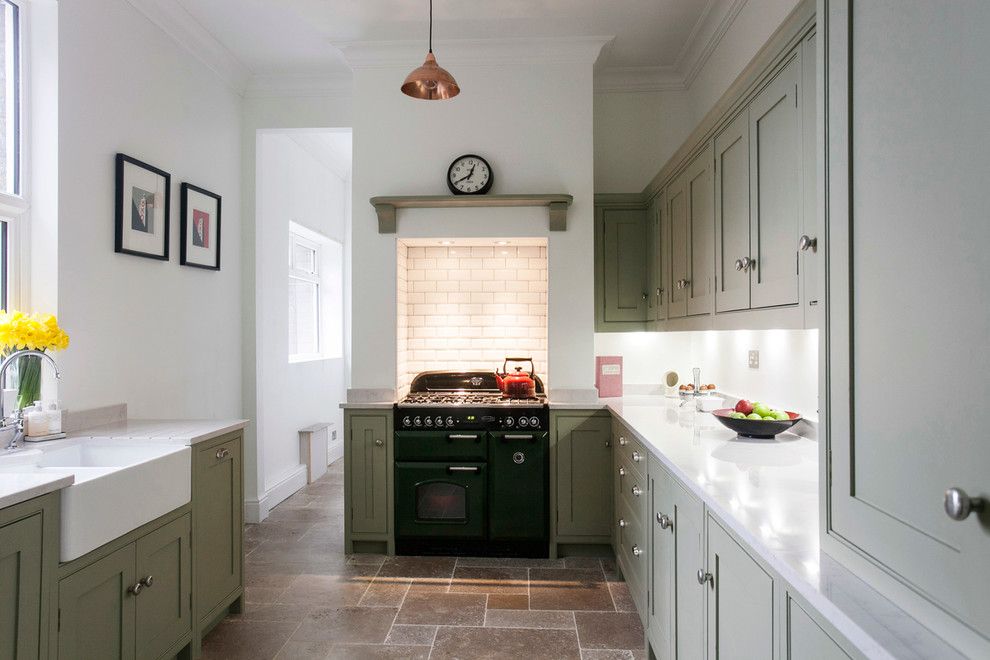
431, 26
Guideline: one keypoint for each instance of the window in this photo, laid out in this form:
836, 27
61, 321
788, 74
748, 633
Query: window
13, 205
315, 296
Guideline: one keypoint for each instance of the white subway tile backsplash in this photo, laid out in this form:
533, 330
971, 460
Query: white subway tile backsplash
529, 251
482, 252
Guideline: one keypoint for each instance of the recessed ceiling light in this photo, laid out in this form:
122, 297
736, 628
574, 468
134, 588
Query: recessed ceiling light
501, 242
446, 242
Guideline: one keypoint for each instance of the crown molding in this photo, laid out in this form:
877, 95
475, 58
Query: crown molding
473, 52
298, 85
179, 24
708, 31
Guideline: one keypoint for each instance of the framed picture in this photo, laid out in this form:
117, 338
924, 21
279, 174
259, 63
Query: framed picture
142, 209
199, 228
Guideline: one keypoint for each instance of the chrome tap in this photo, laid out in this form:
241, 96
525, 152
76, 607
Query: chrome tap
14, 426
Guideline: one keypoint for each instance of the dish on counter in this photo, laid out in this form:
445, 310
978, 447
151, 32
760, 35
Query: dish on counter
755, 428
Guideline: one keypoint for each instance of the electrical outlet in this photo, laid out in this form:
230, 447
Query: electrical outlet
754, 359
333, 434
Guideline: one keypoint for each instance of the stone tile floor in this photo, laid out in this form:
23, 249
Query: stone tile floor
304, 598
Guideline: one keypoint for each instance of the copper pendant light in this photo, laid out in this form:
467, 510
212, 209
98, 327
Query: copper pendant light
430, 81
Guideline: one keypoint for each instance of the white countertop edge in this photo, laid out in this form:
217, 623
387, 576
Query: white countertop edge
188, 432
372, 405
45, 483
856, 635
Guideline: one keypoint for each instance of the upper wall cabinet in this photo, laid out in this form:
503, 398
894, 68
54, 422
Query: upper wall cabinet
904, 83
621, 278
692, 238
732, 225
656, 261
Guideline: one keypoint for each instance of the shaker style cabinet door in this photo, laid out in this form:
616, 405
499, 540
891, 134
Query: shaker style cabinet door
904, 80
700, 198
163, 612
805, 640
680, 237
369, 468
20, 588
96, 607
624, 250
740, 601
584, 480
775, 180
733, 257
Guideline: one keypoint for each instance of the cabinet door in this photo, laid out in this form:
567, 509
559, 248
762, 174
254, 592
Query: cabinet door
677, 218
732, 246
662, 554
700, 197
20, 588
893, 246
163, 611
584, 475
740, 601
217, 523
96, 609
775, 177
624, 275
811, 255
806, 640
689, 556
368, 474
657, 263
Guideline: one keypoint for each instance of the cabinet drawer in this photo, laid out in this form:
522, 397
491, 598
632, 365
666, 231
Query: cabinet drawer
633, 556
628, 483
630, 452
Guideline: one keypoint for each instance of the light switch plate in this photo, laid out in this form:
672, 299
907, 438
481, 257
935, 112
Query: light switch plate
754, 359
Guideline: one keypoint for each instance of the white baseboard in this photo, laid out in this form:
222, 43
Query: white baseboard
256, 511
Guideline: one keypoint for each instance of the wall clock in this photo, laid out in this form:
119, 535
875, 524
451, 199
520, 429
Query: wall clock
470, 175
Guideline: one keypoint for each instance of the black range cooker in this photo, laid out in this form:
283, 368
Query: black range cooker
471, 468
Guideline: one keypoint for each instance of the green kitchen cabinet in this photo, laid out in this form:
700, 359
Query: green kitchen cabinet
581, 476
217, 524
368, 480
740, 598
622, 280
163, 607
805, 639
656, 245
28, 561
97, 610
733, 273
676, 622
691, 212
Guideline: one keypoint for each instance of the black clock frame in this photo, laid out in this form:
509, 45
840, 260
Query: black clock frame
480, 191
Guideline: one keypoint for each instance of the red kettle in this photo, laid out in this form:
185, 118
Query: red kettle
518, 385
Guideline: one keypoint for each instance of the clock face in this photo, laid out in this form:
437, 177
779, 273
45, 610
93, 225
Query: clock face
469, 175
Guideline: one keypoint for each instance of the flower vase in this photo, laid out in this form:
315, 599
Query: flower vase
29, 380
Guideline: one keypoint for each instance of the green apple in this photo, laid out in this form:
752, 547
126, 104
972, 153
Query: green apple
781, 415
737, 415
753, 415
761, 409
770, 418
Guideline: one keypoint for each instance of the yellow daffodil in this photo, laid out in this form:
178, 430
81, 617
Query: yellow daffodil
36, 331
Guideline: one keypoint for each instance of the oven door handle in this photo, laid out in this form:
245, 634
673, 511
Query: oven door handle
462, 436
462, 468
518, 436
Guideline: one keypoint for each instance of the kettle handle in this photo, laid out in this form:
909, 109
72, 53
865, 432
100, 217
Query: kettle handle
532, 365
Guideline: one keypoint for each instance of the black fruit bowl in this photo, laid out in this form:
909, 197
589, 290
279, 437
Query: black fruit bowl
755, 428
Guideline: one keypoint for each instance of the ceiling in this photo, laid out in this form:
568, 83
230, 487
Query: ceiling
299, 37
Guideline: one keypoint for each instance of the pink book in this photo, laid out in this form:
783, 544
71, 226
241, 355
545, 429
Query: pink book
608, 375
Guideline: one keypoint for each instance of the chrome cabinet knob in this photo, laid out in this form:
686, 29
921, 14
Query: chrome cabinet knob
807, 243
622, 471
664, 521
222, 453
637, 457
637, 491
645, 295
622, 441
608, 443
958, 505
704, 576
135, 589
379, 442
684, 283
746, 263
147, 581
622, 522
739, 264
637, 551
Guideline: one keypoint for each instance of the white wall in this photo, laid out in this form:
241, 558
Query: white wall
164, 338
298, 110
292, 186
787, 377
533, 122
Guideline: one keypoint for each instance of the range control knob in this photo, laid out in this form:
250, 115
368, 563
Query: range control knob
439, 421
534, 422
523, 421
508, 421
417, 421
450, 421
406, 421
428, 421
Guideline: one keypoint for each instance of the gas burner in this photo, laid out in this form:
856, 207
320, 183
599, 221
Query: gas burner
467, 399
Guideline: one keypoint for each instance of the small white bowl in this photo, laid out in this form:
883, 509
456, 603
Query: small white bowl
710, 403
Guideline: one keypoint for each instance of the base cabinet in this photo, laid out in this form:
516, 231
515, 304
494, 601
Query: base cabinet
581, 461
805, 639
368, 479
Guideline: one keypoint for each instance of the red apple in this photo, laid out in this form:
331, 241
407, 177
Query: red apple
744, 407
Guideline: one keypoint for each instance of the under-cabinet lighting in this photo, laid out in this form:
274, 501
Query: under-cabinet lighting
446, 242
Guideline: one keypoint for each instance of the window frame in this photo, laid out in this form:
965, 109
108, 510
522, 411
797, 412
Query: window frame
15, 207
312, 277
328, 275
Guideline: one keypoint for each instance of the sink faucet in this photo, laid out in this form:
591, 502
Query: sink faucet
14, 427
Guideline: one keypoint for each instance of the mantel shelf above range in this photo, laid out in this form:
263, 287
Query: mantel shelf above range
385, 206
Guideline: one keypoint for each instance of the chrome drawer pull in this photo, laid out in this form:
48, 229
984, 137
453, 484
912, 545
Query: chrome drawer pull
135, 589
637, 551
637, 457
622, 441
622, 471
637, 491
958, 505
622, 522
462, 436
222, 453
148, 581
462, 468
518, 436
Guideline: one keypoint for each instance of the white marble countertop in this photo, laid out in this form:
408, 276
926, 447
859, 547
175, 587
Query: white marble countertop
187, 432
19, 487
767, 492
373, 405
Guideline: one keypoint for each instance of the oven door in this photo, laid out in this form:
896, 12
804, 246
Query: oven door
440, 500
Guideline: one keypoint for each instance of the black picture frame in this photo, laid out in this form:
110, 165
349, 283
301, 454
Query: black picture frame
184, 225
122, 162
